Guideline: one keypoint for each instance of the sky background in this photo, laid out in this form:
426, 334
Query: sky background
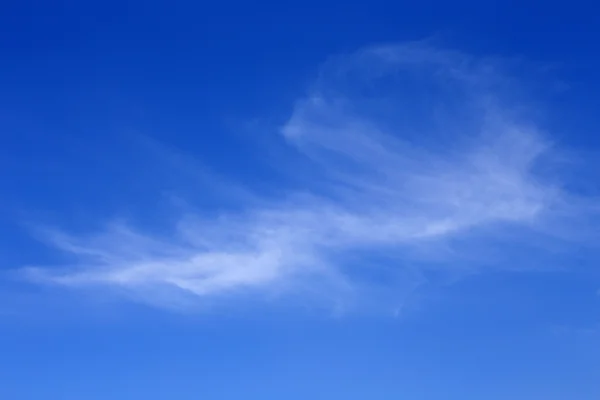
317, 200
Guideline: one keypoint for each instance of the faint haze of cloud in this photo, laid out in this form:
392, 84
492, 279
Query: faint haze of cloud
409, 148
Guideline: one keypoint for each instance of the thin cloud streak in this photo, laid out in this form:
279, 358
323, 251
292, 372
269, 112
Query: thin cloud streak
411, 146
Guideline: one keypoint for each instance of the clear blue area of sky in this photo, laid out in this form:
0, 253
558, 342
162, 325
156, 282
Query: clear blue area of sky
76, 77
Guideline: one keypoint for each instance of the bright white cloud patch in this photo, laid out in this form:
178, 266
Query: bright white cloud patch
408, 148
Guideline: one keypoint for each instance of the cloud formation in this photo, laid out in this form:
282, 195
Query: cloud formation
406, 149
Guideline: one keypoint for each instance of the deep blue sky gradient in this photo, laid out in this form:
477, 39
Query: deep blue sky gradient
81, 81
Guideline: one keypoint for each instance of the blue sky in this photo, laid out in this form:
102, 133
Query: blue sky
318, 200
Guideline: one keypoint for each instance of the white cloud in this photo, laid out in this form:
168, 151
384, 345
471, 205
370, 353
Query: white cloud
412, 146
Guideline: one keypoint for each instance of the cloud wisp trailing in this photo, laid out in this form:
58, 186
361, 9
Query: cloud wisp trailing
407, 149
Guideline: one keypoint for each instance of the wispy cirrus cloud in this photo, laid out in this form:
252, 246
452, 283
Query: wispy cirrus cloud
407, 148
